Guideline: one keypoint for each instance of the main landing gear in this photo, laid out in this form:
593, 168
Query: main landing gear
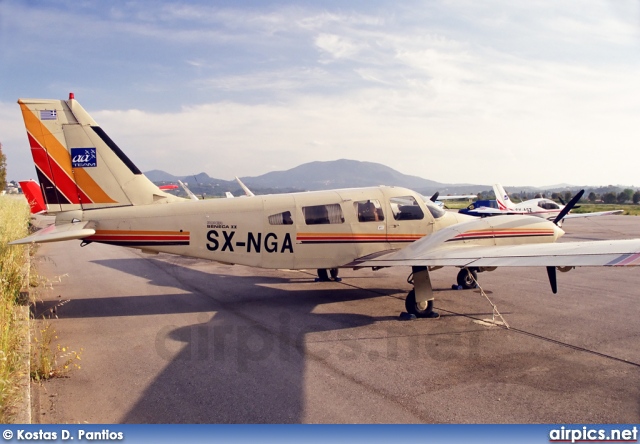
467, 278
419, 301
325, 275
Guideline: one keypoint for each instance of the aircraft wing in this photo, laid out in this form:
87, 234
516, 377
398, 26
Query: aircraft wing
465, 196
54, 233
567, 254
598, 213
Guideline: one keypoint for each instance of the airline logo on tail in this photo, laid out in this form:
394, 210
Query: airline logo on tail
84, 158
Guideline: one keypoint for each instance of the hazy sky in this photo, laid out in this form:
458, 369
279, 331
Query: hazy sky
522, 93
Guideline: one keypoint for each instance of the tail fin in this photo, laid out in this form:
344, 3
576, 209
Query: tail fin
33, 193
502, 197
246, 189
78, 165
188, 191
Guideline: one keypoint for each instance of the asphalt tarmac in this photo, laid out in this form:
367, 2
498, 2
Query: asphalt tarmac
168, 339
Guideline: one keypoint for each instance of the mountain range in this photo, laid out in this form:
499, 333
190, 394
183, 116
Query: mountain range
313, 176
343, 173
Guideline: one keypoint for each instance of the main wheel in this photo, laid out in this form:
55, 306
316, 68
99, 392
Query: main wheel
323, 274
465, 281
423, 310
334, 273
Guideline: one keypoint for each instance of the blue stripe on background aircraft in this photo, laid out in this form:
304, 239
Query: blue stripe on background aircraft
97, 194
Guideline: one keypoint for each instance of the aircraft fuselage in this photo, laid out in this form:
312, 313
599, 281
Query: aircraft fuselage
321, 229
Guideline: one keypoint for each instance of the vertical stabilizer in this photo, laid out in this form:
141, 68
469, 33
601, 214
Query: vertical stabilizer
502, 197
33, 194
78, 165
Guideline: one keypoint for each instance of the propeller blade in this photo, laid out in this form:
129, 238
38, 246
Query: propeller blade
561, 201
435, 196
551, 272
568, 207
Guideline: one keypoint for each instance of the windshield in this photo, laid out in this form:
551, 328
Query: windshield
434, 209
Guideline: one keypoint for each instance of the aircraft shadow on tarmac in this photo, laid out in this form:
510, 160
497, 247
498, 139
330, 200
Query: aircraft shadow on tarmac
244, 364
245, 358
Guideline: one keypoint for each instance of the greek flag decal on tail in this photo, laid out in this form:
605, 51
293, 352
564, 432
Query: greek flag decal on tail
48, 114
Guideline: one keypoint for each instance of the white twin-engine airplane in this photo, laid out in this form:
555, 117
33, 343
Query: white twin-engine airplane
98, 195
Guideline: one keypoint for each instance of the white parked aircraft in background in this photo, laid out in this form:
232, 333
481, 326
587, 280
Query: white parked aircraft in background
247, 191
97, 194
438, 200
540, 207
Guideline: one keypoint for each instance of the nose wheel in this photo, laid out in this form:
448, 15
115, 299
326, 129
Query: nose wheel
467, 278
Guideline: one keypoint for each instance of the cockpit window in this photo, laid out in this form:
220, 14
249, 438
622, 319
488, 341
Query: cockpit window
434, 209
548, 205
406, 208
369, 211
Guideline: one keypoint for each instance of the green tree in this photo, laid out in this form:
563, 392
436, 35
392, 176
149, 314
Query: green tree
609, 198
621, 197
3, 169
636, 197
629, 193
567, 196
592, 197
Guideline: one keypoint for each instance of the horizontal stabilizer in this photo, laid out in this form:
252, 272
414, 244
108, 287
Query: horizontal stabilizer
55, 233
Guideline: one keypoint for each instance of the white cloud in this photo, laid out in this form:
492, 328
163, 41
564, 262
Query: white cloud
462, 91
337, 47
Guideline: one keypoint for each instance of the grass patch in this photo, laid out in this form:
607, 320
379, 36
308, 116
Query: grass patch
629, 209
49, 361
14, 217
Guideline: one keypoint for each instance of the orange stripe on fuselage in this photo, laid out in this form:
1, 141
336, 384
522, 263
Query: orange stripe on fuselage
349, 237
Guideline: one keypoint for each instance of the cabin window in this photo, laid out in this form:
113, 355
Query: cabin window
281, 219
406, 208
323, 214
369, 210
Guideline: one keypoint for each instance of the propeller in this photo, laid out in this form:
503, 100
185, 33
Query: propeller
568, 207
562, 202
551, 271
435, 196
